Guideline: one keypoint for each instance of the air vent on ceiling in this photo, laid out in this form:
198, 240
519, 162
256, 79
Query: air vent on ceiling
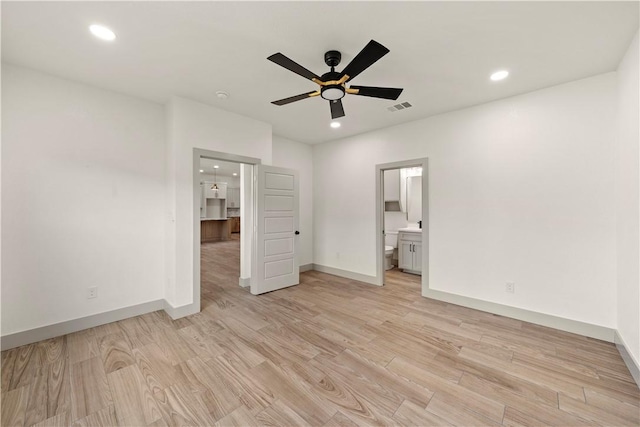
401, 106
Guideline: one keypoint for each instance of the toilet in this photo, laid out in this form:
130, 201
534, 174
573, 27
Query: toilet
390, 244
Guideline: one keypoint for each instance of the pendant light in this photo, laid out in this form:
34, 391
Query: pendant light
214, 187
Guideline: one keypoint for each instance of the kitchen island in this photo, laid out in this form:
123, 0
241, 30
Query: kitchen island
214, 230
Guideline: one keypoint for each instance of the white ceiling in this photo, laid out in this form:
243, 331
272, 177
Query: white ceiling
224, 168
441, 52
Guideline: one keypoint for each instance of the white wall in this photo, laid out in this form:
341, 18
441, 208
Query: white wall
520, 190
394, 220
196, 125
628, 206
295, 155
82, 200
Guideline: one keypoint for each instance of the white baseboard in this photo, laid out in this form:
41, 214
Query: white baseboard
182, 311
244, 282
346, 274
561, 323
306, 267
45, 332
631, 363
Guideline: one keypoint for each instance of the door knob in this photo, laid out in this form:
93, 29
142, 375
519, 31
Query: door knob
297, 232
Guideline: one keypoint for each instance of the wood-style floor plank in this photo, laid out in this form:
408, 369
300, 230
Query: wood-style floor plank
115, 352
607, 416
450, 409
179, 406
49, 392
329, 352
156, 369
279, 414
340, 420
105, 417
214, 388
240, 417
253, 394
410, 414
132, 399
60, 420
14, 407
24, 367
89, 388
449, 393
308, 405
82, 346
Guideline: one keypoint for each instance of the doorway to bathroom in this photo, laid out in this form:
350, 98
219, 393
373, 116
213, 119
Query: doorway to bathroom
402, 224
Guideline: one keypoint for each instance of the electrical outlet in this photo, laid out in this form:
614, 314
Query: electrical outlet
337, 255
92, 292
510, 287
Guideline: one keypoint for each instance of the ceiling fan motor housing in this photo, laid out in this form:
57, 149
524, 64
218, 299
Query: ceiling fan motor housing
331, 92
332, 58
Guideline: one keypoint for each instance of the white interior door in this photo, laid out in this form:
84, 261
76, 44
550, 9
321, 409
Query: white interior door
276, 265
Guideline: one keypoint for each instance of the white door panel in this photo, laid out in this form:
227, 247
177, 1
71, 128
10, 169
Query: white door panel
278, 268
278, 203
278, 246
276, 181
277, 223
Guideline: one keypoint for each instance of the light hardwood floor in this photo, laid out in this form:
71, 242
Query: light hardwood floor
329, 352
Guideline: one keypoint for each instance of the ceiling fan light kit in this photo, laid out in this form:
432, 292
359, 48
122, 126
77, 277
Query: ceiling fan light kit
333, 84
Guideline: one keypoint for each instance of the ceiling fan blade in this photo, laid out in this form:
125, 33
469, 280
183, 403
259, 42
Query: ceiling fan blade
367, 56
377, 92
337, 110
290, 65
296, 98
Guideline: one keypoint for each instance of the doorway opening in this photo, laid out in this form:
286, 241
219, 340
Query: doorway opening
402, 224
220, 229
224, 207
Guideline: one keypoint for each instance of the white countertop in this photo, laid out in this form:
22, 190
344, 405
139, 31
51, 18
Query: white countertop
213, 219
410, 230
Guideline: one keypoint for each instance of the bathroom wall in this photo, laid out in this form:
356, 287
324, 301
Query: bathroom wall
393, 220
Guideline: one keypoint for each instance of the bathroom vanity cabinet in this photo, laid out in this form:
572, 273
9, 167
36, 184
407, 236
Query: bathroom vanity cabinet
410, 250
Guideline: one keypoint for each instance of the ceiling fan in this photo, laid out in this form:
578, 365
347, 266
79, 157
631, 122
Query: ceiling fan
333, 84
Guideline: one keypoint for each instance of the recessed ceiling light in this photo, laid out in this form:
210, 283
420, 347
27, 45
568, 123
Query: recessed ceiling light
222, 94
102, 32
216, 166
499, 75
335, 125
201, 170
235, 174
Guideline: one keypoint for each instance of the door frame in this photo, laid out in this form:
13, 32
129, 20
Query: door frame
421, 162
245, 255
